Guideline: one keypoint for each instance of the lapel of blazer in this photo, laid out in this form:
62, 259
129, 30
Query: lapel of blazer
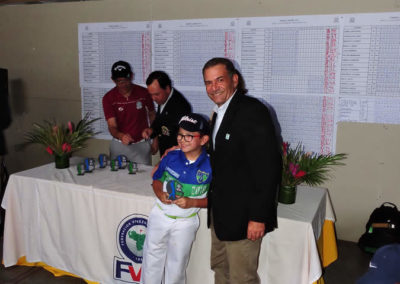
229, 116
212, 125
167, 106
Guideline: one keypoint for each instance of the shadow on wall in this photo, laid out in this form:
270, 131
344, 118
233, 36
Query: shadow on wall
19, 108
274, 117
17, 97
275, 121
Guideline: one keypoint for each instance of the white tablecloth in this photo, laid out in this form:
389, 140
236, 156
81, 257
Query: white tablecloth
72, 223
289, 254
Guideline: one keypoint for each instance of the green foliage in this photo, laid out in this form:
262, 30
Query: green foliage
59, 139
310, 168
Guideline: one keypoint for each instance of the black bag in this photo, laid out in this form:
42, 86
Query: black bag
382, 228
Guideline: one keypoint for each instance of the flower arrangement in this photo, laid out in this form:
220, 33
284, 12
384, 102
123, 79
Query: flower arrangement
302, 167
61, 140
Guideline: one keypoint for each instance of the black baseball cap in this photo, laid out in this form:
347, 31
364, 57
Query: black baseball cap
195, 122
121, 69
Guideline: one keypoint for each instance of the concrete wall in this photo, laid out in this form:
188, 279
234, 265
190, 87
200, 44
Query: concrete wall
39, 47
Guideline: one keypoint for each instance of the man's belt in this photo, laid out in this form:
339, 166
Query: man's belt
140, 141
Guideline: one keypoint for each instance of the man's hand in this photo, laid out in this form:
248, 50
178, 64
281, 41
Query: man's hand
146, 133
255, 230
165, 154
169, 150
126, 139
154, 146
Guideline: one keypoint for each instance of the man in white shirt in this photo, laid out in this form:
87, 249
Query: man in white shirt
246, 164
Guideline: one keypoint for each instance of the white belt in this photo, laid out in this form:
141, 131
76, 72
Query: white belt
143, 140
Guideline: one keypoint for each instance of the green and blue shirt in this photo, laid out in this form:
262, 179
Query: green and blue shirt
189, 179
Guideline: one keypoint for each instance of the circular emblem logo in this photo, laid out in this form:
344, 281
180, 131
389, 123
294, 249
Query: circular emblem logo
131, 236
120, 109
165, 130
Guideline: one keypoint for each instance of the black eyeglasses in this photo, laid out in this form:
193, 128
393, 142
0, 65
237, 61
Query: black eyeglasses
187, 137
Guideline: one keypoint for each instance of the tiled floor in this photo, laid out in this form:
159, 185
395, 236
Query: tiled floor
352, 263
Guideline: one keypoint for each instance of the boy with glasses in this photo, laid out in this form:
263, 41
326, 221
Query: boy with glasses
181, 184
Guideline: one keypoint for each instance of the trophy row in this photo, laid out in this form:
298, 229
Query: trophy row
121, 162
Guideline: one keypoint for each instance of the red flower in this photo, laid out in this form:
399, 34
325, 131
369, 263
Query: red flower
293, 168
66, 147
285, 146
70, 127
49, 150
300, 174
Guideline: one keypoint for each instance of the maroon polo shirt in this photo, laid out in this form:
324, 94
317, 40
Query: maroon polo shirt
131, 113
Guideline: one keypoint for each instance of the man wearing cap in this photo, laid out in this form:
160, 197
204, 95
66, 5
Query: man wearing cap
128, 109
246, 165
172, 105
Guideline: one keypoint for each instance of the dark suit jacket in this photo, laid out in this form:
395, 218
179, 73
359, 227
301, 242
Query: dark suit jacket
165, 126
246, 166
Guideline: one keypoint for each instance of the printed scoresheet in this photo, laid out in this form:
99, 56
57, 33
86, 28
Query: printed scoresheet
312, 71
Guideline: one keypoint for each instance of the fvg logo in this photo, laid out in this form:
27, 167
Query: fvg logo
130, 240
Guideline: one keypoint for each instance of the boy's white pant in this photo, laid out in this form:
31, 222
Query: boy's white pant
168, 243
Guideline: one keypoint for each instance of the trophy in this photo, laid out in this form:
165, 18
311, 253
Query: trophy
89, 165
132, 168
103, 161
114, 165
122, 161
80, 168
174, 189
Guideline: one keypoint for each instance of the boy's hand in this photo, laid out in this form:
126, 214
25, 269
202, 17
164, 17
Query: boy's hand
183, 202
164, 198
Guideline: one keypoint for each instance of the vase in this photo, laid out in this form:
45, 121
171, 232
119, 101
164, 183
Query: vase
287, 194
62, 161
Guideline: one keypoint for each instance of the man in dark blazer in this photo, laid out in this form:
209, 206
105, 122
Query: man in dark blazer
246, 164
172, 105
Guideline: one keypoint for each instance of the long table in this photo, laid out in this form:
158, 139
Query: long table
91, 226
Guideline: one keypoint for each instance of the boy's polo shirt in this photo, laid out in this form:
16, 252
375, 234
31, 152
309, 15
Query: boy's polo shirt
194, 179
